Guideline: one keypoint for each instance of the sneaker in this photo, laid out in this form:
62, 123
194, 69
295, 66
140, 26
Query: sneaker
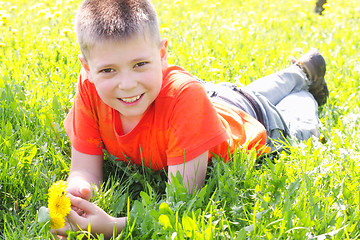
314, 66
319, 7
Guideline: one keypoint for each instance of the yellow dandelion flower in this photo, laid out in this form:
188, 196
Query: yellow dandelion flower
4, 17
56, 14
41, 13
66, 31
54, 9
48, 16
45, 29
57, 222
57, 187
36, 6
58, 203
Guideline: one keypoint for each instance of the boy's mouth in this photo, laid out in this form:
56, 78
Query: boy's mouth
131, 99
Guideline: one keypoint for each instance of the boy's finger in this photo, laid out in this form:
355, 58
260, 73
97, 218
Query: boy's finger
74, 208
74, 217
81, 204
77, 210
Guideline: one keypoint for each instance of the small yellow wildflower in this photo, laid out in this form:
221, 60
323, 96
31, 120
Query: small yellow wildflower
46, 12
59, 203
4, 17
66, 32
48, 16
56, 14
36, 6
57, 187
12, 8
45, 29
57, 222
41, 13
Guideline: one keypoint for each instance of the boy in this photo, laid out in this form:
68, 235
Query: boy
131, 103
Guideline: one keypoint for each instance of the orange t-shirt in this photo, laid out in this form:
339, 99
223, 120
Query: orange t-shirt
178, 126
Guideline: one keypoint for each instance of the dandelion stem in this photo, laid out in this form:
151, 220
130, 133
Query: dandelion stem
67, 217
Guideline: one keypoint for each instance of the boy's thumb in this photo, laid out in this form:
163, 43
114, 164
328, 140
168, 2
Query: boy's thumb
85, 191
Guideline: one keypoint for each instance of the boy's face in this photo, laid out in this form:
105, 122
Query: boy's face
127, 74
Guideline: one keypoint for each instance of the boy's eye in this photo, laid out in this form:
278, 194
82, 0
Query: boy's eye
107, 70
140, 64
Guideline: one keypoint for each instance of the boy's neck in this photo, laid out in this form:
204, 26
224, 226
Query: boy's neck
129, 123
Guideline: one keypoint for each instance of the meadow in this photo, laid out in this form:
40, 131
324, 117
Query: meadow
312, 192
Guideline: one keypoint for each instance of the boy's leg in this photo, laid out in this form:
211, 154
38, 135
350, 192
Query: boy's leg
300, 113
289, 87
278, 85
307, 73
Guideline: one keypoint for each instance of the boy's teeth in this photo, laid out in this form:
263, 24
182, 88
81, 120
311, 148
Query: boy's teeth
132, 99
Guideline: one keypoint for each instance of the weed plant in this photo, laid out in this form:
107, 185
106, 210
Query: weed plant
312, 192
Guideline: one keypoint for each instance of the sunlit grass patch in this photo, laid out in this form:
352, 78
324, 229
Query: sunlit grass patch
311, 193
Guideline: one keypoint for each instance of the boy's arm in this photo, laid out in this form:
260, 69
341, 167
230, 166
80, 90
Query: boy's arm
85, 170
193, 172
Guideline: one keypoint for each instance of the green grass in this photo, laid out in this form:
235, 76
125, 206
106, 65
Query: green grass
311, 193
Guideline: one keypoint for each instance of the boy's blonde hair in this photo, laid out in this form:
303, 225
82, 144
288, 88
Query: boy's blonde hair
102, 20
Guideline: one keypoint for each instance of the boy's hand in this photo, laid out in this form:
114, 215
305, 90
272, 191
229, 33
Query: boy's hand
93, 218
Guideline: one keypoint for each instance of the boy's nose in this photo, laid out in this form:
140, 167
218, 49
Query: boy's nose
127, 82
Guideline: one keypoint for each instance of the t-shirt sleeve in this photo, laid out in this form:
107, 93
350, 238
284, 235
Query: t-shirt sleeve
81, 123
194, 125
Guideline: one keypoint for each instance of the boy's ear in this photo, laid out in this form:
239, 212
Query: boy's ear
85, 65
163, 53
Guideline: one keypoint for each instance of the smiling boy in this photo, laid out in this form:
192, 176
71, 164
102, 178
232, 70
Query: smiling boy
130, 102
